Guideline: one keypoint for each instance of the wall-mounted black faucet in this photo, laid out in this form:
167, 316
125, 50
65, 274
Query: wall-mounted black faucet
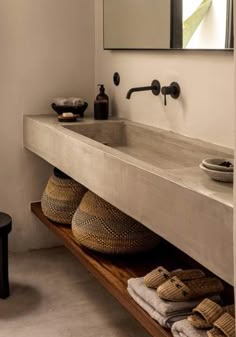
173, 90
155, 87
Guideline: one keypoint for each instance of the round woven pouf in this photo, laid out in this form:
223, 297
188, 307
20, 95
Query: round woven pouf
61, 197
100, 226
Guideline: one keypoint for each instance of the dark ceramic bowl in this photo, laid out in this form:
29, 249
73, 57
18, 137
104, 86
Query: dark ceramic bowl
79, 110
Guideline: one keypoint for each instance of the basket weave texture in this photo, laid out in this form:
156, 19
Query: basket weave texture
100, 226
61, 198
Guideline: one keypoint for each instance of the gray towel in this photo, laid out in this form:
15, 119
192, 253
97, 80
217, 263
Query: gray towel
185, 329
164, 312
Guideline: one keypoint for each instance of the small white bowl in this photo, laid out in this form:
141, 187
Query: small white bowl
226, 177
214, 164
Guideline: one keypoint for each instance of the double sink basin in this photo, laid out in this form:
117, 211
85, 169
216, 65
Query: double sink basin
150, 174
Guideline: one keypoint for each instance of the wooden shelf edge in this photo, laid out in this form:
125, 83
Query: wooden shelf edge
111, 275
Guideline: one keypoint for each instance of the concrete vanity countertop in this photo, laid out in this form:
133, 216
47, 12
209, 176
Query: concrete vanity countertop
150, 174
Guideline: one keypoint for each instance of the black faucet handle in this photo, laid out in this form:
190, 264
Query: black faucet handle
173, 90
165, 91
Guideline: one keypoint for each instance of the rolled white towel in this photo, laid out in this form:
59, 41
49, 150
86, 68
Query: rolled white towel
60, 101
75, 101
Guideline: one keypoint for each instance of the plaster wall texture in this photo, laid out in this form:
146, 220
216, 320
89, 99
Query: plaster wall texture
205, 109
47, 50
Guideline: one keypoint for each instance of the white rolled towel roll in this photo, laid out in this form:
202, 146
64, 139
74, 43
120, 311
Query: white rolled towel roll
59, 101
75, 101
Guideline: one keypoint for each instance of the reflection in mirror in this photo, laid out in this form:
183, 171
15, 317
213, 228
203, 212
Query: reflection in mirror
205, 24
166, 24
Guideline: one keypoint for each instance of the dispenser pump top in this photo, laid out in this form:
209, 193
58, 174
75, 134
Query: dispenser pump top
102, 94
102, 89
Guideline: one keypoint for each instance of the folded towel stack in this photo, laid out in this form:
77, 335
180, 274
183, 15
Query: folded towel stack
164, 312
185, 329
71, 101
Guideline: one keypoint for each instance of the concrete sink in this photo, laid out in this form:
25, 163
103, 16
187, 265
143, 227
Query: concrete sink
154, 146
150, 174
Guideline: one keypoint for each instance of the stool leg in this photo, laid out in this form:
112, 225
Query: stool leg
4, 280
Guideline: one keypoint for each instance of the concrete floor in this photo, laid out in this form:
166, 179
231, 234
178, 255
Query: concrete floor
52, 295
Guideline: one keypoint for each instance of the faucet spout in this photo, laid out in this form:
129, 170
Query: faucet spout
155, 87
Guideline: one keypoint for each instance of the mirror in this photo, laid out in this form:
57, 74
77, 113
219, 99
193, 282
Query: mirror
168, 24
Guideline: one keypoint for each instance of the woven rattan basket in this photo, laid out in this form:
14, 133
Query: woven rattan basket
100, 226
61, 197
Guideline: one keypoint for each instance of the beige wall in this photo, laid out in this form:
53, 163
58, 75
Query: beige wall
47, 50
205, 109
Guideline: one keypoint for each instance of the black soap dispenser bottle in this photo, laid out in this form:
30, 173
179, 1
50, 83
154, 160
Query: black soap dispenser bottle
101, 104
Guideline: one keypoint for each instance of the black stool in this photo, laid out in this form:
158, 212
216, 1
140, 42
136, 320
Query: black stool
5, 228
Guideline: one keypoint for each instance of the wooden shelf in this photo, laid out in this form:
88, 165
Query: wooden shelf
114, 271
